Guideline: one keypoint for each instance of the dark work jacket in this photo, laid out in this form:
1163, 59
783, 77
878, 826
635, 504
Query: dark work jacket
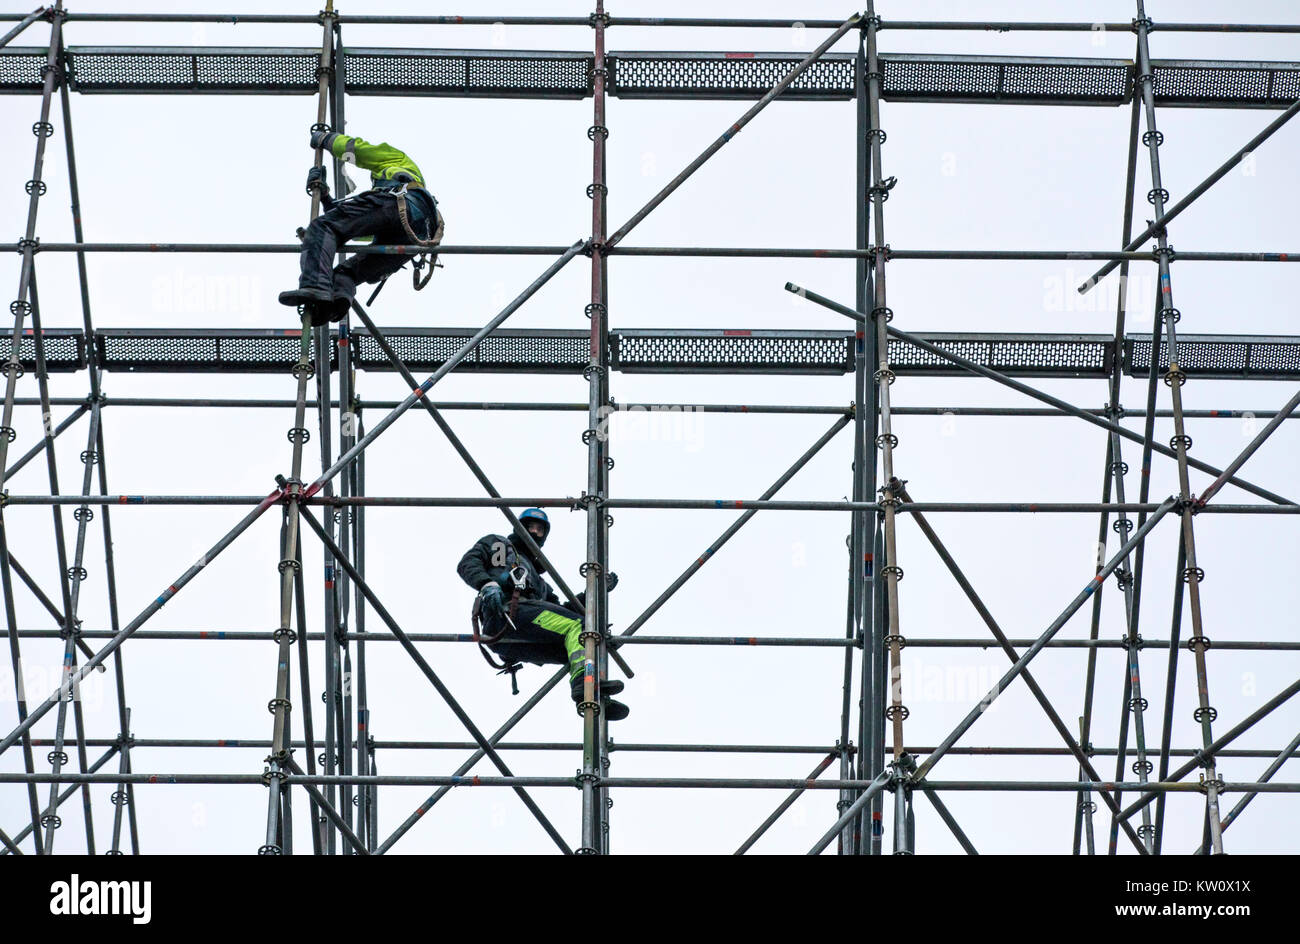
492, 558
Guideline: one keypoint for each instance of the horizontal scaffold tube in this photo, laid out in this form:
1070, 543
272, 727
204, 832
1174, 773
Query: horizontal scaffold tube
982, 255
833, 642
683, 504
685, 783
754, 408
387, 745
726, 22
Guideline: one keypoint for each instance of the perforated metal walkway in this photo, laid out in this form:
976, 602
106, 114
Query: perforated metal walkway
662, 75
662, 351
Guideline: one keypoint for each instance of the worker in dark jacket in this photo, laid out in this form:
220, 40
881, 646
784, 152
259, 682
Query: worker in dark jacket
515, 602
396, 210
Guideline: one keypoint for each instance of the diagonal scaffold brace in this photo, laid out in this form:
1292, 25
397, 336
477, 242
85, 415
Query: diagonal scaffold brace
1026, 389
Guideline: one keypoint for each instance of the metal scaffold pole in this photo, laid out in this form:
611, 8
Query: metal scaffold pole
334, 584
13, 369
895, 712
1113, 472
1174, 378
865, 838
290, 560
595, 753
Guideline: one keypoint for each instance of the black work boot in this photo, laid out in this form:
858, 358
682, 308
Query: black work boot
340, 307
614, 710
607, 687
307, 296
319, 314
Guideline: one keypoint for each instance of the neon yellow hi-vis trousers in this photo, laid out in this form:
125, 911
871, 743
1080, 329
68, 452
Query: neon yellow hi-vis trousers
544, 634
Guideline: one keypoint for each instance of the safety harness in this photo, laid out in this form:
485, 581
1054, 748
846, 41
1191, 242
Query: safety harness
519, 583
429, 259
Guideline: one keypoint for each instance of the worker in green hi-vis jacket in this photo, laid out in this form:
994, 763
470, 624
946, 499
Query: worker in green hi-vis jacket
396, 210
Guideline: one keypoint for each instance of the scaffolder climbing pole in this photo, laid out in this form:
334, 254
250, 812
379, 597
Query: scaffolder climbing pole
13, 369
1175, 377
277, 836
896, 713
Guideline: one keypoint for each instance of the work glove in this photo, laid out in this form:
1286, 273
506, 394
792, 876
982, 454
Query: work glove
493, 605
321, 139
316, 180
610, 583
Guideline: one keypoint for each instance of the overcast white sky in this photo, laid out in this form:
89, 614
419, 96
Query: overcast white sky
230, 169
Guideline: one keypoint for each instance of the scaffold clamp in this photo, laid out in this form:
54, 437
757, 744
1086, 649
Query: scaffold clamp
586, 502
1216, 782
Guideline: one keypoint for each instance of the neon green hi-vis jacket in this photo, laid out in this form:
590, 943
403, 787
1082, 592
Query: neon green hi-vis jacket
382, 160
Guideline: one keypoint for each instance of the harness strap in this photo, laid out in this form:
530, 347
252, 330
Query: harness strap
439, 226
476, 624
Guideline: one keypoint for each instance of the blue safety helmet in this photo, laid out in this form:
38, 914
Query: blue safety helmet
536, 514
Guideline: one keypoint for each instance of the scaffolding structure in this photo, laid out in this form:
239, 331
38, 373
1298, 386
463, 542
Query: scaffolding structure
877, 771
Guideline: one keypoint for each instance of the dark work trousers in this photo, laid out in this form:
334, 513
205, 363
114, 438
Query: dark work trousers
371, 213
544, 634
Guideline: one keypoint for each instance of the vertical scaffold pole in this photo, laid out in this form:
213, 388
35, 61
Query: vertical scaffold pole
896, 712
337, 522
13, 369
1086, 805
277, 762
595, 755
600, 261
365, 740
1133, 704
1113, 470
348, 528
319, 821
862, 577
1175, 377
